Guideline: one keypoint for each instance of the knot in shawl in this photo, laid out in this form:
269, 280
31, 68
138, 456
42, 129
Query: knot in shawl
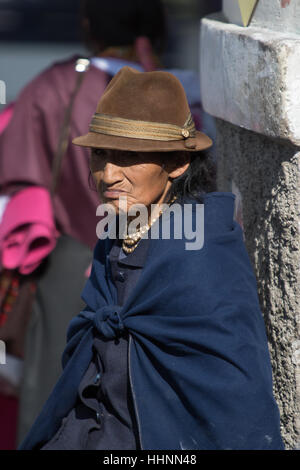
106, 320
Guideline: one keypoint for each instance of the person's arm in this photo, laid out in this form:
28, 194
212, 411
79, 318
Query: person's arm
29, 141
27, 147
5, 116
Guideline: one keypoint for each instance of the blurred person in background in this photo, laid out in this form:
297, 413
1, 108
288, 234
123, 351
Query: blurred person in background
45, 236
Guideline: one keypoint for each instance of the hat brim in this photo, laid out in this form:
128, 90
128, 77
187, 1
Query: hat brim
95, 140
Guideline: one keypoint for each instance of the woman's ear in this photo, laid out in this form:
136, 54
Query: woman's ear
179, 164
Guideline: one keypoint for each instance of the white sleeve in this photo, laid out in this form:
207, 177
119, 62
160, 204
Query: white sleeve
3, 203
12, 370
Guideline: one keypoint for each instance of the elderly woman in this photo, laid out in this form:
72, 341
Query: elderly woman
170, 351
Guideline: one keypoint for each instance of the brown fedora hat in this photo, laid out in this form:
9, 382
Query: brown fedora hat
144, 112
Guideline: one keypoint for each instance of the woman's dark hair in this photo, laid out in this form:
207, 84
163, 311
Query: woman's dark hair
198, 179
120, 22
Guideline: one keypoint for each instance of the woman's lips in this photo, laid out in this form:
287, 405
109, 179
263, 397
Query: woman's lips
113, 194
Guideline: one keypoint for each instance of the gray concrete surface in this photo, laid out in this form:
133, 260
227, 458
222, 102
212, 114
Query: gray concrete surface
266, 173
250, 82
255, 81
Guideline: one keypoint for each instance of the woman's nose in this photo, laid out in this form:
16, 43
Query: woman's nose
111, 173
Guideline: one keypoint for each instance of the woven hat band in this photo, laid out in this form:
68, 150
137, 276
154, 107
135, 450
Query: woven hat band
112, 125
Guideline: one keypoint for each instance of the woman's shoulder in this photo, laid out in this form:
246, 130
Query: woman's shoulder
215, 197
213, 211
219, 195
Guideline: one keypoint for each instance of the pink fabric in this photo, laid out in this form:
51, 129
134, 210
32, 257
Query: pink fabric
27, 232
145, 53
5, 117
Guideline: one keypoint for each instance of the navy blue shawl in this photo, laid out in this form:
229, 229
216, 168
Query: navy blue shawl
199, 361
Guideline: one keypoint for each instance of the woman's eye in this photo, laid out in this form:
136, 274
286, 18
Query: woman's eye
98, 152
130, 157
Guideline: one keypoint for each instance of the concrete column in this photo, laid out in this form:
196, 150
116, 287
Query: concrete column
250, 82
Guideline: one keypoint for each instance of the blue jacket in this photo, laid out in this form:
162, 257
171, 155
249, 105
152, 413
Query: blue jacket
199, 363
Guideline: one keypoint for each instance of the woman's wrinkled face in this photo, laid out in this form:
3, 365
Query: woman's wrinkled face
144, 177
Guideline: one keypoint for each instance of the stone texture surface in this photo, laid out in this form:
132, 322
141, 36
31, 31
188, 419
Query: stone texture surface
278, 15
266, 172
250, 81
251, 77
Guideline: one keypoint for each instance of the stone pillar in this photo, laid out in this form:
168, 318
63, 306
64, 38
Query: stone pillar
250, 82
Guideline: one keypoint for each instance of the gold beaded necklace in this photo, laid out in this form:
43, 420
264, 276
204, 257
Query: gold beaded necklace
131, 241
